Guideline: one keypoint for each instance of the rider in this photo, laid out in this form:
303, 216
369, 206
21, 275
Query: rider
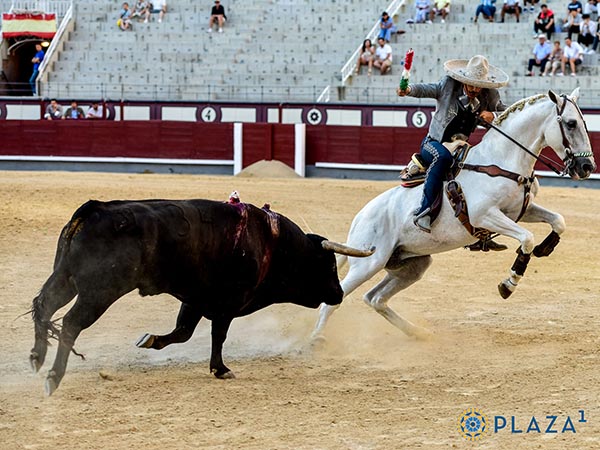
466, 95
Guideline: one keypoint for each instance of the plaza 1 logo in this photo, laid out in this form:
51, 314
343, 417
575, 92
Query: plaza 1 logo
473, 424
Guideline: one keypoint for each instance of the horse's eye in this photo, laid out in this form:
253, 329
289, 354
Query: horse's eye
571, 124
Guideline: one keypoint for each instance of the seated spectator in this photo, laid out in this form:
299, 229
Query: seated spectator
124, 21
422, 8
554, 61
386, 27
366, 56
587, 33
440, 8
597, 38
53, 111
217, 15
141, 11
159, 7
73, 112
590, 7
95, 112
572, 54
572, 22
531, 7
487, 8
383, 56
510, 7
541, 54
544, 23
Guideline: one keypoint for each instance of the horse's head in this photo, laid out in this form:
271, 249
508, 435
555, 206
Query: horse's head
570, 139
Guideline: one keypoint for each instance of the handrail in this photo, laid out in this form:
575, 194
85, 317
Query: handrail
347, 69
52, 54
58, 7
325, 95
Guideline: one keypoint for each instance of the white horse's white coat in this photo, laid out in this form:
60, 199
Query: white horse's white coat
494, 203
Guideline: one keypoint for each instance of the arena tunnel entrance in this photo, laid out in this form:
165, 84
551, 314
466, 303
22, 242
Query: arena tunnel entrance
17, 66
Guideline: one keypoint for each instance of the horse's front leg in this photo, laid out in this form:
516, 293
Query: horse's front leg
497, 222
536, 214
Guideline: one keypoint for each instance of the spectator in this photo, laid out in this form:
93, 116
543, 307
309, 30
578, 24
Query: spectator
73, 112
532, 4
440, 8
386, 27
53, 111
591, 8
141, 10
217, 15
95, 112
511, 7
587, 33
366, 56
544, 22
36, 60
159, 7
554, 61
573, 54
422, 8
487, 8
124, 21
383, 56
574, 5
572, 22
597, 38
541, 53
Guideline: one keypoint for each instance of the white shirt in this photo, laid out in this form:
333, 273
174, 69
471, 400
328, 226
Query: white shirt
94, 113
383, 52
573, 51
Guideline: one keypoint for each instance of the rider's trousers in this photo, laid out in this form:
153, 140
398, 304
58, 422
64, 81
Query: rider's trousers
439, 160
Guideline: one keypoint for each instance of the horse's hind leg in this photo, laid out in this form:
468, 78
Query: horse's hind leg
91, 303
398, 278
187, 319
56, 293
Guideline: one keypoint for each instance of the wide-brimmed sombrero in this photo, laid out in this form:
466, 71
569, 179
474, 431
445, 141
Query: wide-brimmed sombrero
477, 72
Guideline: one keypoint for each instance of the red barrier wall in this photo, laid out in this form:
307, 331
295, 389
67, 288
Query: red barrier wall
267, 141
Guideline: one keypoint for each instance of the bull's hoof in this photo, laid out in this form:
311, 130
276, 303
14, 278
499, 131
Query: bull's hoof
51, 383
227, 375
504, 290
145, 341
34, 362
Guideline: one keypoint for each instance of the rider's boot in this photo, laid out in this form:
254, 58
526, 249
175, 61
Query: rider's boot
485, 245
423, 221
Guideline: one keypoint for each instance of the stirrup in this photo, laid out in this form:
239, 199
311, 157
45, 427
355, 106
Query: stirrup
426, 227
485, 245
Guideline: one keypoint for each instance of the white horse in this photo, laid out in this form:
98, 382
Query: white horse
496, 179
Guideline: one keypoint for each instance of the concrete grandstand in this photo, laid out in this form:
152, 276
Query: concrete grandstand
284, 50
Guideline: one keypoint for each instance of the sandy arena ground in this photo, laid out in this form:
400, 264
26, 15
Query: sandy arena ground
370, 387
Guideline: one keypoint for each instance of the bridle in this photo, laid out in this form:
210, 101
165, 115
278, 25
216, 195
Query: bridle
569, 160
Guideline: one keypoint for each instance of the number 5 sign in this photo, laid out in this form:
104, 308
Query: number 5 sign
419, 119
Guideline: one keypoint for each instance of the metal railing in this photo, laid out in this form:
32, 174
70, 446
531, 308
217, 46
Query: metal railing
347, 68
58, 7
66, 24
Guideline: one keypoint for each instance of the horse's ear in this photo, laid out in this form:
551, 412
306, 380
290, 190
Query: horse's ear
553, 96
575, 94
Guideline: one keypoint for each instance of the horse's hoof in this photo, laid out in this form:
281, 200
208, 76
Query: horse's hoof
317, 342
422, 334
51, 384
34, 362
505, 292
145, 341
228, 375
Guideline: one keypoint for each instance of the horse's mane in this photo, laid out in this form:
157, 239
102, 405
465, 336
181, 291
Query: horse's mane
518, 106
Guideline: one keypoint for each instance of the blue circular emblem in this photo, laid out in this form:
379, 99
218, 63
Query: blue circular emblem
472, 424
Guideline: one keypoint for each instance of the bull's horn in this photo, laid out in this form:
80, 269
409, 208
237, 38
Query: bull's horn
346, 250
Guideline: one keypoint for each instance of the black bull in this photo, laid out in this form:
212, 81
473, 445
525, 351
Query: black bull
220, 260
